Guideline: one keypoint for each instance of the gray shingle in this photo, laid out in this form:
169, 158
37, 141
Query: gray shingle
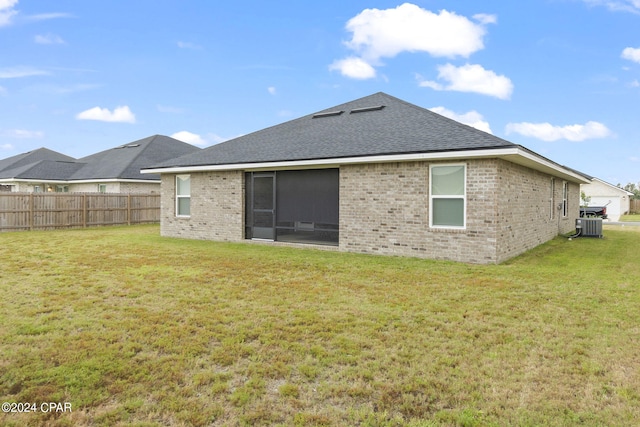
31, 157
47, 170
398, 128
125, 161
122, 162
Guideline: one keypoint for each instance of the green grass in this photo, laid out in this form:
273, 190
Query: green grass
135, 329
631, 217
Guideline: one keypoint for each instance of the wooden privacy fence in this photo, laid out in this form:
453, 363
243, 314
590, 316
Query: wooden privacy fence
634, 206
47, 211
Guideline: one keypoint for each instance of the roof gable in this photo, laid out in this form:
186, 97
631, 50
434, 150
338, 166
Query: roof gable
378, 124
610, 186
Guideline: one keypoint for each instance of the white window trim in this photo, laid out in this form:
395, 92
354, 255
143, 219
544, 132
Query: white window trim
565, 199
463, 197
182, 196
552, 198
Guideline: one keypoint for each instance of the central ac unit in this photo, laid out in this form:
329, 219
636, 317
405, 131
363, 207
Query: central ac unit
589, 227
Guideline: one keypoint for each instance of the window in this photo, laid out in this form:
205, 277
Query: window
62, 188
552, 190
102, 188
183, 195
448, 196
565, 199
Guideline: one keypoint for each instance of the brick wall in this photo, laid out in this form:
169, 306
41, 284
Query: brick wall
217, 207
524, 212
384, 209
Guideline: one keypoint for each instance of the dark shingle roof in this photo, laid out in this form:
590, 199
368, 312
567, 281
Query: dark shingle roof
125, 161
31, 157
122, 162
48, 170
378, 124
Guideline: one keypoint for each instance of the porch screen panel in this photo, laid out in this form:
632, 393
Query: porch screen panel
308, 196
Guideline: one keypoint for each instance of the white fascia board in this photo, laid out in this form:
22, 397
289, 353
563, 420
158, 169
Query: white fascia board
34, 181
512, 154
110, 180
82, 181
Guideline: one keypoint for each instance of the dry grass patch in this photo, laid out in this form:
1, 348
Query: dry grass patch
134, 329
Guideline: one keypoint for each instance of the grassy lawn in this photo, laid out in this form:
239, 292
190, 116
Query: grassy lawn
134, 329
632, 217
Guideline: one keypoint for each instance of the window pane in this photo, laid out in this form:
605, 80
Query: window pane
184, 206
447, 180
448, 212
183, 185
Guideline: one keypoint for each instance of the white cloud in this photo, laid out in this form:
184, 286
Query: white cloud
22, 134
409, 28
7, 11
634, 83
485, 18
548, 132
120, 114
632, 6
6, 147
378, 34
189, 138
3, 91
48, 39
355, 68
47, 16
271, 90
195, 139
471, 78
471, 118
631, 54
17, 72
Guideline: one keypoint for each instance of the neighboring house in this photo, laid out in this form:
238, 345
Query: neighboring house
16, 165
112, 171
375, 175
602, 193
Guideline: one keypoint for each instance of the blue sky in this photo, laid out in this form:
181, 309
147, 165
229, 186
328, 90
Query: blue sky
561, 77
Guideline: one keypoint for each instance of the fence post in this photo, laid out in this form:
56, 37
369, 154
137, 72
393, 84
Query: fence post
84, 210
128, 208
30, 211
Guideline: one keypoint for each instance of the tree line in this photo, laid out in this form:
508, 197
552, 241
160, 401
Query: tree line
632, 188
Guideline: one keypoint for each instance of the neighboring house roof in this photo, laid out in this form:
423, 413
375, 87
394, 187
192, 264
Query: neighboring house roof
120, 163
378, 127
125, 161
43, 170
31, 157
